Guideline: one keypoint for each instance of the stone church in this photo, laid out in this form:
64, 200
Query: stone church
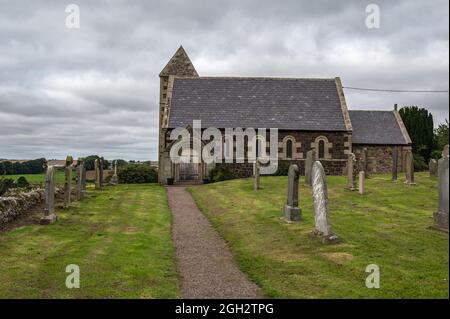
310, 113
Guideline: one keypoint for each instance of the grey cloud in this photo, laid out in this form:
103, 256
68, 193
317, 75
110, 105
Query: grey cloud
95, 90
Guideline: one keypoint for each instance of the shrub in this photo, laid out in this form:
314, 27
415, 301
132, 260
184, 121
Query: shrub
283, 168
137, 174
219, 174
5, 185
419, 163
22, 182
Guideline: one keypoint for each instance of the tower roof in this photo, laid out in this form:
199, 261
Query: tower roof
180, 65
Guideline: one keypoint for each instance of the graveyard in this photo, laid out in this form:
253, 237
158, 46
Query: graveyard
389, 225
118, 236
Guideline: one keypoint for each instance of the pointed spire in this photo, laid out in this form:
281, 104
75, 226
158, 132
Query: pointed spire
180, 65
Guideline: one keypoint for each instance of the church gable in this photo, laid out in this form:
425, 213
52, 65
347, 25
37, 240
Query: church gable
179, 65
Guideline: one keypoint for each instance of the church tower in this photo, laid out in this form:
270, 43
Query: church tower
178, 66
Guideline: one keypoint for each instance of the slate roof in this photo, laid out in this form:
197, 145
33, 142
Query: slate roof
290, 104
376, 127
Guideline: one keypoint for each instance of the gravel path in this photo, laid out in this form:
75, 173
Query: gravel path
203, 258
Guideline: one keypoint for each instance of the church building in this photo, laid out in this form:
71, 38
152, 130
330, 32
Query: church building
309, 113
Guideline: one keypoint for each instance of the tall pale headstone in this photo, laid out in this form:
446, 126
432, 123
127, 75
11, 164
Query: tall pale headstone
67, 185
310, 159
351, 178
115, 178
97, 174
320, 198
362, 177
433, 167
50, 188
291, 210
256, 169
395, 163
365, 162
440, 218
80, 171
409, 169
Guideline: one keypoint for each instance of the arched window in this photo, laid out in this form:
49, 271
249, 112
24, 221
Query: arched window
288, 149
321, 149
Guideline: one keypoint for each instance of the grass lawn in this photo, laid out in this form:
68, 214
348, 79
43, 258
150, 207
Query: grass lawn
387, 226
120, 238
39, 178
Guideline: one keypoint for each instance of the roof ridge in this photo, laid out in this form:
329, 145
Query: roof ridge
252, 77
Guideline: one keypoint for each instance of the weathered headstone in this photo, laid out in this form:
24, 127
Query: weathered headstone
365, 162
351, 178
101, 173
409, 169
445, 151
291, 210
115, 178
68, 181
320, 198
79, 192
440, 218
50, 189
97, 174
395, 163
67, 185
362, 177
433, 167
310, 159
256, 175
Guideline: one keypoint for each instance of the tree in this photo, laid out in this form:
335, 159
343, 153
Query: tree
419, 123
441, 135
90, 160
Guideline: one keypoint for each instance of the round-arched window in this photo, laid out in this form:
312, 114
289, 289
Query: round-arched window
321, 149
288, 149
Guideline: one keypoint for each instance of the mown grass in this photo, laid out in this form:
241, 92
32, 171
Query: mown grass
38, 178
119, 237
387, 226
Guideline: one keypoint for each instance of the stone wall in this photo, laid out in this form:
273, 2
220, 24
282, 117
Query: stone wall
379, 157
11, 207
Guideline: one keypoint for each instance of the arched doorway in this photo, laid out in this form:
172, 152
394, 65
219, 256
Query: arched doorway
190, 165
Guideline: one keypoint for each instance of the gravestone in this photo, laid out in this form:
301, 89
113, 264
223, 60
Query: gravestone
83, 182
445, 151
68, 181
395, 163
433, 167
365, 162
79, 192
310, 159
256, 169
409, 169
50, 188
440, 218
115, 178
292, 212
97, 174
351, 178
101, 173
362, 177
320, 198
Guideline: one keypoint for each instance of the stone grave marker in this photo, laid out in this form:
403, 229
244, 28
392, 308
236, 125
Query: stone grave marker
320, 198
310, 159
440, 218
50, 189
292, 212
351, 178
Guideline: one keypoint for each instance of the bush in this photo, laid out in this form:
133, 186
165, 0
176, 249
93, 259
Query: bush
137, 174
219, 174
5, 185
419, 163
22, 182
283, 168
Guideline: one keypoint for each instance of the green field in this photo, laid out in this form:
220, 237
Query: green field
38, 178
387, 226
119, 237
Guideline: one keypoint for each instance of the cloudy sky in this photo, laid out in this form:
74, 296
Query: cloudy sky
94, 90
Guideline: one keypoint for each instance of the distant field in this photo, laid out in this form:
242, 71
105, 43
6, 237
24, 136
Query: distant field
38, 178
